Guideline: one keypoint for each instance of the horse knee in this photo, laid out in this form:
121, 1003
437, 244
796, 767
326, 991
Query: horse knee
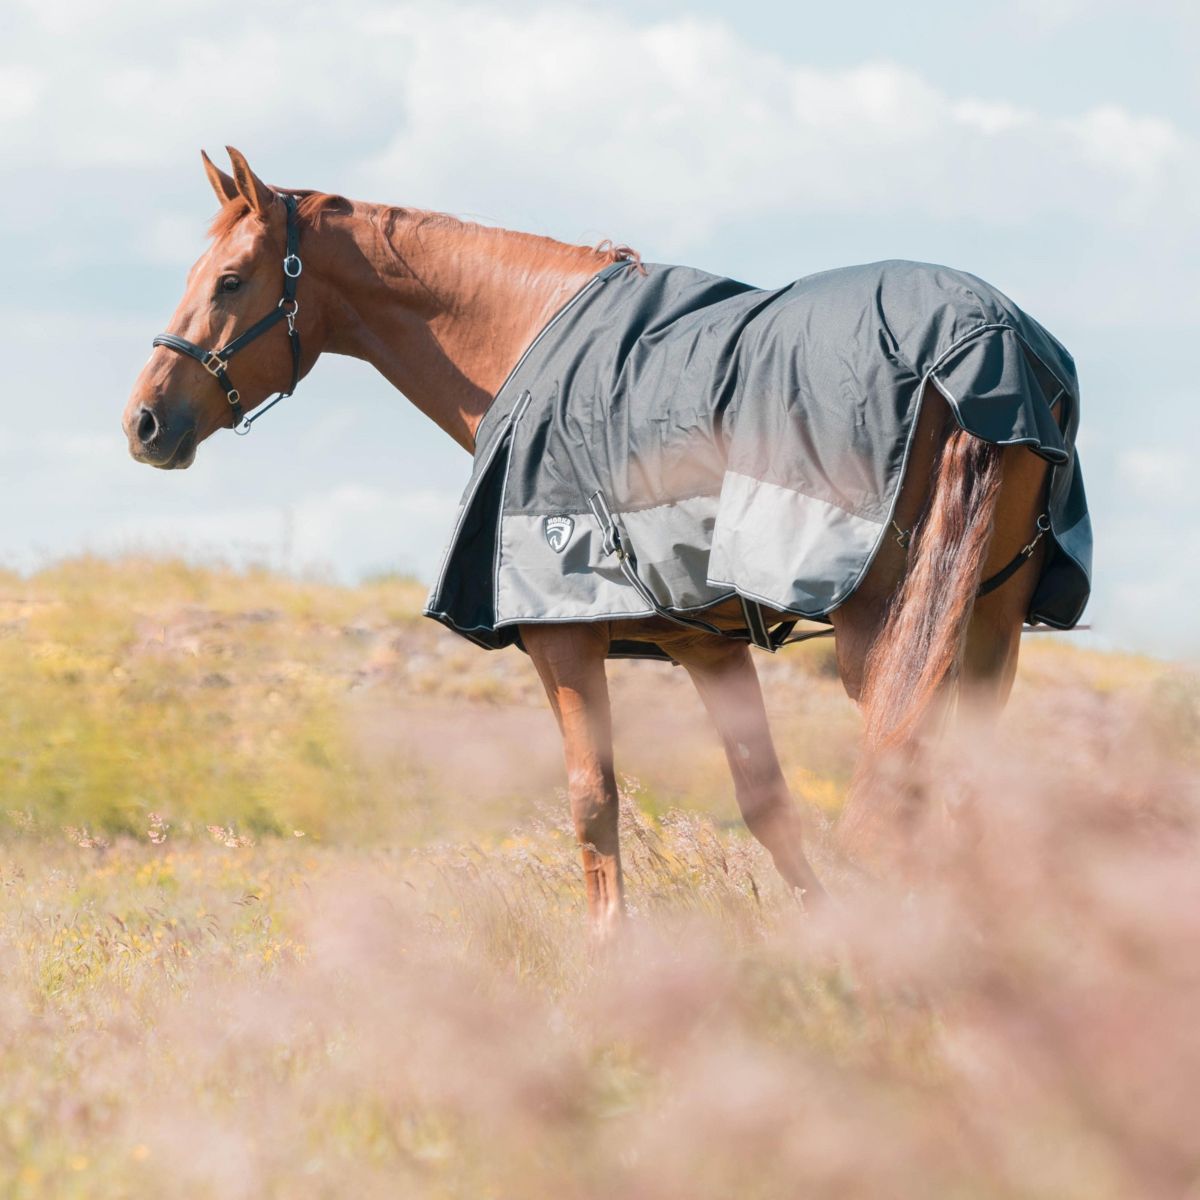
593, 807
762, 809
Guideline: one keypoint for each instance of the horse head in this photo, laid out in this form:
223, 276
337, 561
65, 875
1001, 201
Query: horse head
186, 391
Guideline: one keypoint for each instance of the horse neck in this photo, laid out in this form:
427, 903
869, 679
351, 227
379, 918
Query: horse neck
443, 310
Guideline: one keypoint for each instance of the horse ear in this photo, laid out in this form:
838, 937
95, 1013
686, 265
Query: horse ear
222, 184
249, 186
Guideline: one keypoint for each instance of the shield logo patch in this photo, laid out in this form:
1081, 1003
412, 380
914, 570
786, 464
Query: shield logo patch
558, 532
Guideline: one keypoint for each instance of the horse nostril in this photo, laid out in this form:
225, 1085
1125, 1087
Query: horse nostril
147, 426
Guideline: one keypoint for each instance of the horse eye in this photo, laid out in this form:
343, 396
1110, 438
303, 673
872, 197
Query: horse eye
230, 283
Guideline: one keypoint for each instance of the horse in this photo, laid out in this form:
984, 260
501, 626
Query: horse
445, 311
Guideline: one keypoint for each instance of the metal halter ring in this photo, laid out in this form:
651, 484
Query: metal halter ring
290, 261
1043, 528
292, 313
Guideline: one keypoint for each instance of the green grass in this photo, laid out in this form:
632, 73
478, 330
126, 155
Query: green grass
270, 704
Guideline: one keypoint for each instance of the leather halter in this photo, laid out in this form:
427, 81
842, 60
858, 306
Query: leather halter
216, 362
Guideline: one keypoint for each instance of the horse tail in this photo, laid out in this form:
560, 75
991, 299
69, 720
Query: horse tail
918, 653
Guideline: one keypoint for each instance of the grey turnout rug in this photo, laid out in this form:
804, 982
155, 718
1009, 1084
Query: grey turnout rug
727, 441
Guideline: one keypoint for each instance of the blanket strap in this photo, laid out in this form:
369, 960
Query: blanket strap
756, 631
771, 639
1021, 557
756, 626
613, 544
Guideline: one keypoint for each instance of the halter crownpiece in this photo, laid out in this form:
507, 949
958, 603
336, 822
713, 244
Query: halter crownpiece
216, 362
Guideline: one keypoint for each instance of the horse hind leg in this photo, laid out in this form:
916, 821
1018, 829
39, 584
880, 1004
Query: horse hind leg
858, 621
570, 659
725, 677
993, 637
906, 653
993, 640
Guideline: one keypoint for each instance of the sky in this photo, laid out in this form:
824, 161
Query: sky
1050, 146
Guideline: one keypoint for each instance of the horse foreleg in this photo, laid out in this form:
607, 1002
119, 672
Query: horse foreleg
570, 661
725, 677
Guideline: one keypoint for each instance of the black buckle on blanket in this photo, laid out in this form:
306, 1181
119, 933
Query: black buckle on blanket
608, 526
756, 631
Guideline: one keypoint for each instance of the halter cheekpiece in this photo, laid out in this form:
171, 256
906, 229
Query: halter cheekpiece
216, 362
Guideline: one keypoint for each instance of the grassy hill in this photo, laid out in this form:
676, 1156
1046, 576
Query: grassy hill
270, 704
289, 908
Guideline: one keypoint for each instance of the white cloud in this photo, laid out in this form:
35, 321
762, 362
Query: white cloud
20, 89
695, 128
669, 129
171, 239
1137, 148
1159, 476
991, 117
346, 529
354, 523
1050, 15
1149, 561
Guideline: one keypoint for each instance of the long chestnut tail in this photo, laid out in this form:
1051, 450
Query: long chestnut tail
917, 656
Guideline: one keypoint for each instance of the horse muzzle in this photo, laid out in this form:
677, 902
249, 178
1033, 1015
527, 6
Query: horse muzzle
170, 445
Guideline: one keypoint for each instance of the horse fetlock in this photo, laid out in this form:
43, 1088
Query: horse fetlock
605, 885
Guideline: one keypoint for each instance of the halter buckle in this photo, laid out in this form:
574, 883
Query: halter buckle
214, 364
234, 397
291, 313
292, 266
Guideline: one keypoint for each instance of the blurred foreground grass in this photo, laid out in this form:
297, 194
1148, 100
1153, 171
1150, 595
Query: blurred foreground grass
288, 908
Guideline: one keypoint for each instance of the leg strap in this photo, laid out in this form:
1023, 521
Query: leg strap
1017, 562
1022, 556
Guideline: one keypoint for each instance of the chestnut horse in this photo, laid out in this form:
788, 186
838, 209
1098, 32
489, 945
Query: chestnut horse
443, 310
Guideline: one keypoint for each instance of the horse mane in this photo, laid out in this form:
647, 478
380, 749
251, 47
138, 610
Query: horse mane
314, 204
612, 252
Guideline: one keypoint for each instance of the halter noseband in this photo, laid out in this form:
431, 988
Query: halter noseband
216, 362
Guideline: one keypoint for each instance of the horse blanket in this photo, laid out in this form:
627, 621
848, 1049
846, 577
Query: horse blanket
732, 441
